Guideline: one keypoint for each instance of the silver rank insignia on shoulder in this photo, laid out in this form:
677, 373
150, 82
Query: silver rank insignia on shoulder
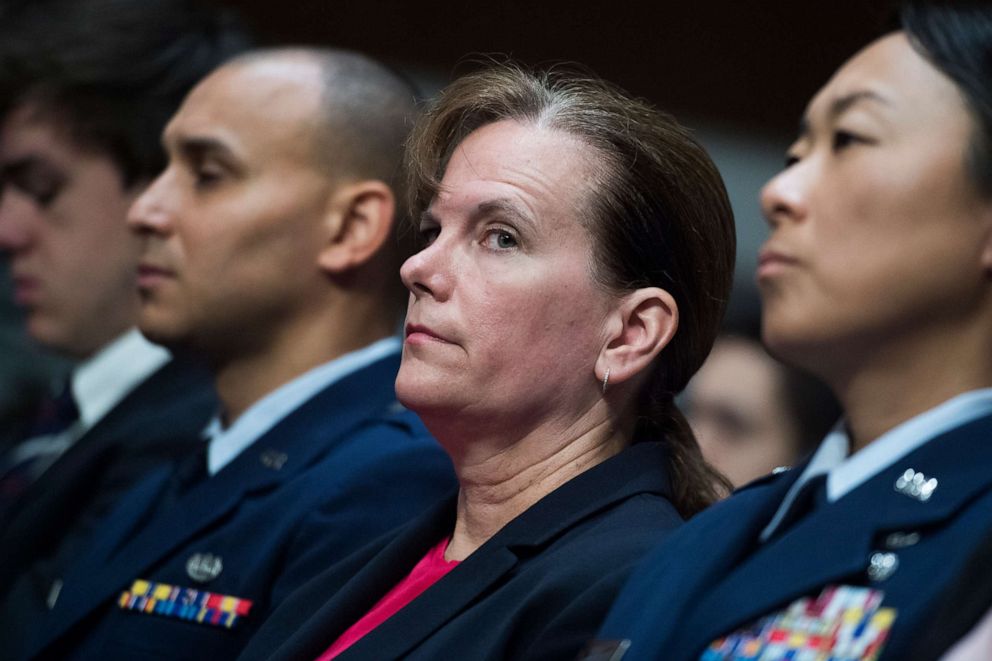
901, 540
882, 565
916, 485
204, 567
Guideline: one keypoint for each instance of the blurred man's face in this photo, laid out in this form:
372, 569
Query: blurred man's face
232, 228
62, 225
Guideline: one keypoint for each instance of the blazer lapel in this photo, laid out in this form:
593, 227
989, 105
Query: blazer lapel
639, 469
834, 544
444, 600
348, 590
276, 457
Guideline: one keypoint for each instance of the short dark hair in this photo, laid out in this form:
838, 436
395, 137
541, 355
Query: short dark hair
112, 72
660, 217
956, 37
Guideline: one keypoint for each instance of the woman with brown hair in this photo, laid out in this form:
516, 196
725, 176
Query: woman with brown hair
578, 253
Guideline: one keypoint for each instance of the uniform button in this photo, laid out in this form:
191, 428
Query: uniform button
882, 565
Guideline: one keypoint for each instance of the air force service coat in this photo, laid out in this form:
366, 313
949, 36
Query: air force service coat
347, 461
537, 589
714, 577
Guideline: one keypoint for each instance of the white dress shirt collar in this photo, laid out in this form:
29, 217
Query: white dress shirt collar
226, 444
100, 382
846, 473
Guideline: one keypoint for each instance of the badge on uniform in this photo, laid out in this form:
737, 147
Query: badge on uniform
844, 623
187, 604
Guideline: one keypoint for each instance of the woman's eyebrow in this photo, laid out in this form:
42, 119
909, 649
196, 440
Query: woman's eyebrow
842, 104
502, 207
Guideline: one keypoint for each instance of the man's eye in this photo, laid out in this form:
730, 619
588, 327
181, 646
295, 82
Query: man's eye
42, 190
206, 177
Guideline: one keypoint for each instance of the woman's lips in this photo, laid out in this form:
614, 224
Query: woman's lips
772, 262
419, 334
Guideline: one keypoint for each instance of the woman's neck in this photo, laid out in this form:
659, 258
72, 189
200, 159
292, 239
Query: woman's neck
897, 383
500, 480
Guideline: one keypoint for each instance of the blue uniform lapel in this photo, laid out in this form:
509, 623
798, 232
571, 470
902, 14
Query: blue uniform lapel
834, 544
112, 565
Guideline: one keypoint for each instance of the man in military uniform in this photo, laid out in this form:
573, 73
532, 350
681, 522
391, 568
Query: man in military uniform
268, 251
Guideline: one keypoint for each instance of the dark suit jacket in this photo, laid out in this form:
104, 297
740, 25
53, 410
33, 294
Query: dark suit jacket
161, 419
350, 451
537, 589
713, 577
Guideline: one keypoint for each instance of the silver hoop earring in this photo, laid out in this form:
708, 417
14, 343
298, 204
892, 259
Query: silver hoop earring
606, 379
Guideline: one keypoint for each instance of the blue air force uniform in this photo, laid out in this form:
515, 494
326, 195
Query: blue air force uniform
858, 577
193, 573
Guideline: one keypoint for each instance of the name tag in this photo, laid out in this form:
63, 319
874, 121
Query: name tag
187, 604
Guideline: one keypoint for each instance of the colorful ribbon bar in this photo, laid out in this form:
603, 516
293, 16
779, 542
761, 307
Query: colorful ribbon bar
184, 603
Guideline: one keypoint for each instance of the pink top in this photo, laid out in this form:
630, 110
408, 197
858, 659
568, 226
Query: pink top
431, 568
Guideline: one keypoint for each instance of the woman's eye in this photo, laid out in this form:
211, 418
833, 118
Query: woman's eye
428, 235
842, 139
498, 239
790, 160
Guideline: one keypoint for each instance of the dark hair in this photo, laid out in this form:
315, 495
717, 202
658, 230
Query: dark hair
956, 37
660, 218
112, 72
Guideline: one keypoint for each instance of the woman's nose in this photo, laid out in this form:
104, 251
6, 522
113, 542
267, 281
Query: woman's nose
427, 273
784, 197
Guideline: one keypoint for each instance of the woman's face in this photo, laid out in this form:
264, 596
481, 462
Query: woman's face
504, 316
735, 406
879, 239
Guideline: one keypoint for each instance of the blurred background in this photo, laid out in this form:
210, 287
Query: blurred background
737, 73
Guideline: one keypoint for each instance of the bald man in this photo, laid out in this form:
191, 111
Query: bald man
268, 251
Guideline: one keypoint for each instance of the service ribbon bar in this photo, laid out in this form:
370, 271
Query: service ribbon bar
844, 623
184, 603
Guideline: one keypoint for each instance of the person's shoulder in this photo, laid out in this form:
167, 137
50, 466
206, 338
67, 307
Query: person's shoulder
775, 476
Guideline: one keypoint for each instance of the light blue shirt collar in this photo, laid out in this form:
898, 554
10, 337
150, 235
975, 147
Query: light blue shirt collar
226, 444
846, 473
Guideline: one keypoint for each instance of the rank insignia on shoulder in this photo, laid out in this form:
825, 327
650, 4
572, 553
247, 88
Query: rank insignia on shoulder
188, 604
844, 623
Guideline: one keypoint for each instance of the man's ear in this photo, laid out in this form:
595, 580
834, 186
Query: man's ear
359, 221
643, 324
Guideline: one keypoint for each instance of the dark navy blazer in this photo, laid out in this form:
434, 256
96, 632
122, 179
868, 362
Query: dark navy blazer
349, 459
161, 419
713, 577
536, 590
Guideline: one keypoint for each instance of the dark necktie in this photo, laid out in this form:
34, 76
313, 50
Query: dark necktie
188, 472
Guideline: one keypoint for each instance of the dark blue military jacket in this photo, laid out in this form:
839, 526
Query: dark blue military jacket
194, 579
886, 553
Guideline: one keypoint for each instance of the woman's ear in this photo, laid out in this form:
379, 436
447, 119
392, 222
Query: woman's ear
645, 322
359, 221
